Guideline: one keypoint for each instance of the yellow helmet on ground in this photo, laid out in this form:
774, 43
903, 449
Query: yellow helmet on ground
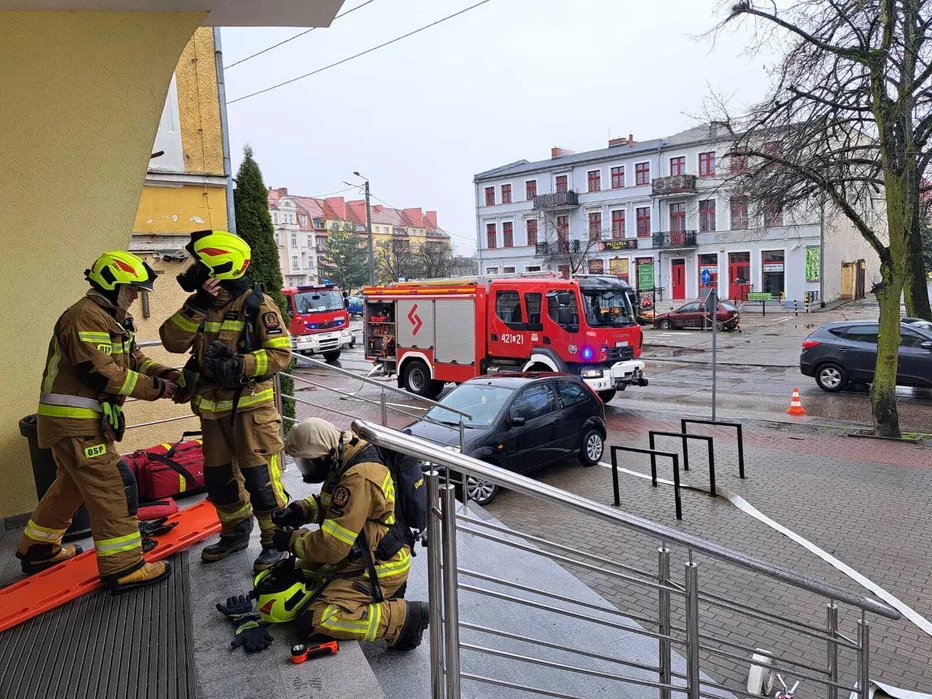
226, 255
281, 592
119, 267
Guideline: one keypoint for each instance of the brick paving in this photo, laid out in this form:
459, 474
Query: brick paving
867, 502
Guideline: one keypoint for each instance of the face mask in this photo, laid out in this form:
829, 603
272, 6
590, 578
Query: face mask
314, 470
193, 277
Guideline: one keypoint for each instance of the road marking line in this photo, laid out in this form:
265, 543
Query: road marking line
911, 614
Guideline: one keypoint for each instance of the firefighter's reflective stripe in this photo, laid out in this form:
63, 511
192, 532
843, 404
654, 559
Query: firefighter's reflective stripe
94, 337
146, 365
388, 490
70, 401
201, 403
129, 383
375, 618
189, 326
118, 544
60, 405
51, 371
356, 627
215, 326
338, 532
393, 568
276, 474
277, 342
235, 516
43, 534
116, 348
262, 362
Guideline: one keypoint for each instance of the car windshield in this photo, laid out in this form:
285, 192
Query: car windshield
483, 402
608, 309
727, 306
318, 301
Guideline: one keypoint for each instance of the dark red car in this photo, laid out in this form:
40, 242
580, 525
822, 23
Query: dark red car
695, 315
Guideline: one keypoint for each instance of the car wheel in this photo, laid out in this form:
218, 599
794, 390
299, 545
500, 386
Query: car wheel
606, 396
479, 491
332, 356
417, 378
436, 388
593, 447
665, 324
831, 378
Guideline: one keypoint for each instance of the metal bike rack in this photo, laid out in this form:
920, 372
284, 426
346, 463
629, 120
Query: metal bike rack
737, 425
653, 472
685, 438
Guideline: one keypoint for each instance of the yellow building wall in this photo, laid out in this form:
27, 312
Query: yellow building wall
199, 105
82, 96
181, 210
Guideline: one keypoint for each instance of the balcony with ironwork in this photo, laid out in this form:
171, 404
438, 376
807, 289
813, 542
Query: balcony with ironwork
674, 185
556, 200
558, 247
675, 240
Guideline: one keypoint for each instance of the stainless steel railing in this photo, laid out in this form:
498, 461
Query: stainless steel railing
695, 639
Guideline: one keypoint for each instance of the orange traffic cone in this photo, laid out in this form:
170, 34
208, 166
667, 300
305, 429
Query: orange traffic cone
796, 406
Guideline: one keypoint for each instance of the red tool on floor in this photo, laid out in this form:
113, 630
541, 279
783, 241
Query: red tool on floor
302, 652
67, 581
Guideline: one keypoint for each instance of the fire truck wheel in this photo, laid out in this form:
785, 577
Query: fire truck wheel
606, 396
332, 356
592, 448
417, 378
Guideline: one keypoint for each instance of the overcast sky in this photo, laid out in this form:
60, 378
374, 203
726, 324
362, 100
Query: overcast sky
503, 82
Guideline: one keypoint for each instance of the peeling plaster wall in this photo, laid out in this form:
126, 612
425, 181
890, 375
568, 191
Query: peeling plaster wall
82, 96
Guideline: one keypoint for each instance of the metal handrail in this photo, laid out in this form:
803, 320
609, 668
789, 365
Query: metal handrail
428, 451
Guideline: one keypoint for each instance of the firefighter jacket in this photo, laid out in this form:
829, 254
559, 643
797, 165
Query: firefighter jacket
264, 345
92, 352
360, 498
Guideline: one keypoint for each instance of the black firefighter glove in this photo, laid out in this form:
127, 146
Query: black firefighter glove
156, 527
227, 369
238, 609
284, 540
253, 636
290, 517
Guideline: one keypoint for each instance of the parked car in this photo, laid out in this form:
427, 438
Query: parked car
520, 422
354, 305
845, 352
695, 315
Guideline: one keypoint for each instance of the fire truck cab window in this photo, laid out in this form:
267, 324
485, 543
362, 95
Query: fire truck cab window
533, 302
508, 308
562, 309
317, 301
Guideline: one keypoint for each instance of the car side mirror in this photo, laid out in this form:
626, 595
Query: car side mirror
517, 421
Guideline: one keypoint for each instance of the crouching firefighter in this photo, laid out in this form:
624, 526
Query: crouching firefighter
93, 365
356, 564
238, 342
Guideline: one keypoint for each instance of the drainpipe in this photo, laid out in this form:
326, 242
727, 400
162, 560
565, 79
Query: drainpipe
822, 255
224, 131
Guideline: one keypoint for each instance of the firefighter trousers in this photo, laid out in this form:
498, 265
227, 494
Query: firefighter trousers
90, 471
242, 469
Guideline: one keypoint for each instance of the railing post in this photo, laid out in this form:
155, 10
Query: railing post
435, 584
864, 656
384, 407
663, 577
692, 629
451, 612
831, 626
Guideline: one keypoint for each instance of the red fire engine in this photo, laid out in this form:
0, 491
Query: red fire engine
319, 321
429, 333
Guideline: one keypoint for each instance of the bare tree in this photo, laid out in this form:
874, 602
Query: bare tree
436, 258
845, 126
558, 250
396, 259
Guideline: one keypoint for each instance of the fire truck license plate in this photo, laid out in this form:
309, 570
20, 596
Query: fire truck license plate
621, 344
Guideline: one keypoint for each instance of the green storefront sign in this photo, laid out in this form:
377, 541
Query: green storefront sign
760, 296
813, 262
645, 276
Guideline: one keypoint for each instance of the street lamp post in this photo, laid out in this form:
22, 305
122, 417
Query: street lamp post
369, 232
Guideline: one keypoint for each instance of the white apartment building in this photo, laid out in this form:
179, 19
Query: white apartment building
659, 214
296, 240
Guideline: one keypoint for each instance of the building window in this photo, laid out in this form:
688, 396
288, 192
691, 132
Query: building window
737, 163
561, 183
563, 232
508, 270
772, 271
490, 196
506, 194
530, 190
642, 173
508, 234
618, 224
303, 219
294, 240
595, 225
773, 213
294, 262
531, 268
707, 215
707, 164
531, 225
491, 236
678, 166
772, 147
708, 273
739, 213
595, 180
491, 270
274, 217
310, 241
618, 177
677, 217
276, 237
643, 222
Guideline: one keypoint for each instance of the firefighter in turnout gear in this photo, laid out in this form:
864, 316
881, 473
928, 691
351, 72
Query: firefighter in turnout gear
93, 366
238, 342
356, 565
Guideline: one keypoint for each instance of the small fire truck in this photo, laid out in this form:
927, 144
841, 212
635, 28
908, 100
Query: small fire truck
432, 332
319, 321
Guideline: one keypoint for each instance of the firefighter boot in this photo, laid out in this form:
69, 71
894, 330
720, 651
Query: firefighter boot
148, 574
31, 566
416, 620
237, 541
269, 557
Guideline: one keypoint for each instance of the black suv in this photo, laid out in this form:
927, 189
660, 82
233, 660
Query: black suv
846, 352
520, 422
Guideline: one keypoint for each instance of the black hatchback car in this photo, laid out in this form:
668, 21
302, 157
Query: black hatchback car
846, 352
520, 422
